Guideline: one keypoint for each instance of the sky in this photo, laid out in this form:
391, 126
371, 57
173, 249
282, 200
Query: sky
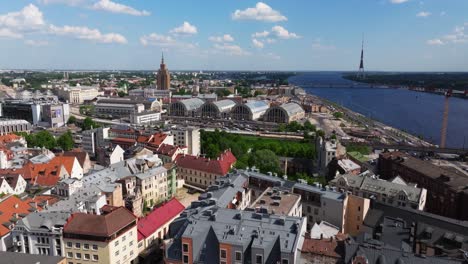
297, 35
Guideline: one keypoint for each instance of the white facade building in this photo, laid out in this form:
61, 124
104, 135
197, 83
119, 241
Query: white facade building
189, 137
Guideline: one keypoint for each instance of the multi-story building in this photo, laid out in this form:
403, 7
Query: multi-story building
187, 137
94, 139
40, 233
42, 113
14, 257
209, 234
230, 191
446, 187
278, 202
146, 117
107, 238
326, 151
12, 184
163, 78
8, 126
79, 94
168, 153
153, 185
202, 172
398, 194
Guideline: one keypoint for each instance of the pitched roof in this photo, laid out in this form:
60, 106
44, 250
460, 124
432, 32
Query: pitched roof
9, 208
219, 166
80, 155
159, 217
324, 247
99, 225
167, 150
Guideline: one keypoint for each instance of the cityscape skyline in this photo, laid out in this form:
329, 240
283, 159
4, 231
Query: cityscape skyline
249, 35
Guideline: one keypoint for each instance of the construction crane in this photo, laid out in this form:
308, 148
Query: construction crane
443, 134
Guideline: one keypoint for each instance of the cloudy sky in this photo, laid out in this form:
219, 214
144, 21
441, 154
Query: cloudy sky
400, 35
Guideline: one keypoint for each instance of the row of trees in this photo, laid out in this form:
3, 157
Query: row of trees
44, 139
294, 126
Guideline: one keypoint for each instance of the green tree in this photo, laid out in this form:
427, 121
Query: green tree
265, 160
88, 124
71, 120
44, 139
338, 115
212, 151
121, 93
308, 126
320, 133
66, 141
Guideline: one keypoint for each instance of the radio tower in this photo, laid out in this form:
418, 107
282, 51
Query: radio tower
361, 73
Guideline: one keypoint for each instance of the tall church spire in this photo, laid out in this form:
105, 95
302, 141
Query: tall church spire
162, 57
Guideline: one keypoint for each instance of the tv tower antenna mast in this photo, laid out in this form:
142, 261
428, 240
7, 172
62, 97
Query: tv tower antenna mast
361, 72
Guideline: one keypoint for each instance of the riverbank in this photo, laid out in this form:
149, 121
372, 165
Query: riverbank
414, 113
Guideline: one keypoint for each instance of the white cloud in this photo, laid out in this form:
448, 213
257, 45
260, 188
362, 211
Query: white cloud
270, 40
36, 43
113, 7
164, 41
398, 1
282, 33
230, 49
458, 36
261, 12
257, 43
28, 19
262, 34
435, 42
423, 14
223, 38
7, 33
185, 29
87, 34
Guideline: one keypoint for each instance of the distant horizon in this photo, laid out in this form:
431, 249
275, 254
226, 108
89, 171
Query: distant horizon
222, 35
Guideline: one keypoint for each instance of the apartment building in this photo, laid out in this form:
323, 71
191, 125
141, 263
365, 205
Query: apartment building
107, 238
187, 137
153, 185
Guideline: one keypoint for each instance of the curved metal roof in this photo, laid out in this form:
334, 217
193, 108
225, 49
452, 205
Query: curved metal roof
291, 108
192, 104
224, 105
257, 106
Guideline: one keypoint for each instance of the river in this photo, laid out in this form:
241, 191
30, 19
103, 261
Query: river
415, 112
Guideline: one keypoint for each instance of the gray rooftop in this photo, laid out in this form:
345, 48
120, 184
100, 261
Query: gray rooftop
375, 185
45, 221
257, 106
17, 258
192, 103
292, 108
224, 105
225, 189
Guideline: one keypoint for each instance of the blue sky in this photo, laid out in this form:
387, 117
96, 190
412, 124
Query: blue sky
400, 35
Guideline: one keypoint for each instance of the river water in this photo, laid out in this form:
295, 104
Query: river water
414, 112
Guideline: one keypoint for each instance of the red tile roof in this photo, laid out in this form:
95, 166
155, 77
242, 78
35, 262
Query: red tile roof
167, 150
324, 247
8, 138
159, 217
99, 225
125, 140
219, 166
79, 154
10, 208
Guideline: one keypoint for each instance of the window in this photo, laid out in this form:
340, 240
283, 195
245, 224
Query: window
359, 208
78, 255
284, 261
259, 259
85, 246
185, 247
86, 256
77, 245
95, 257
117, 253
130, 244
69, 244
95, 247
116, 243
123, 238
238, 256
223, 254
186, 259
69, 254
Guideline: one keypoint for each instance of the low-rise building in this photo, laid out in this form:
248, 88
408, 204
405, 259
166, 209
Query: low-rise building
230, 191
153, 228
8, 126
146, 117
203, 172
168, 153
79, 94
107, 238
12, 184
14, 257
397, 194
